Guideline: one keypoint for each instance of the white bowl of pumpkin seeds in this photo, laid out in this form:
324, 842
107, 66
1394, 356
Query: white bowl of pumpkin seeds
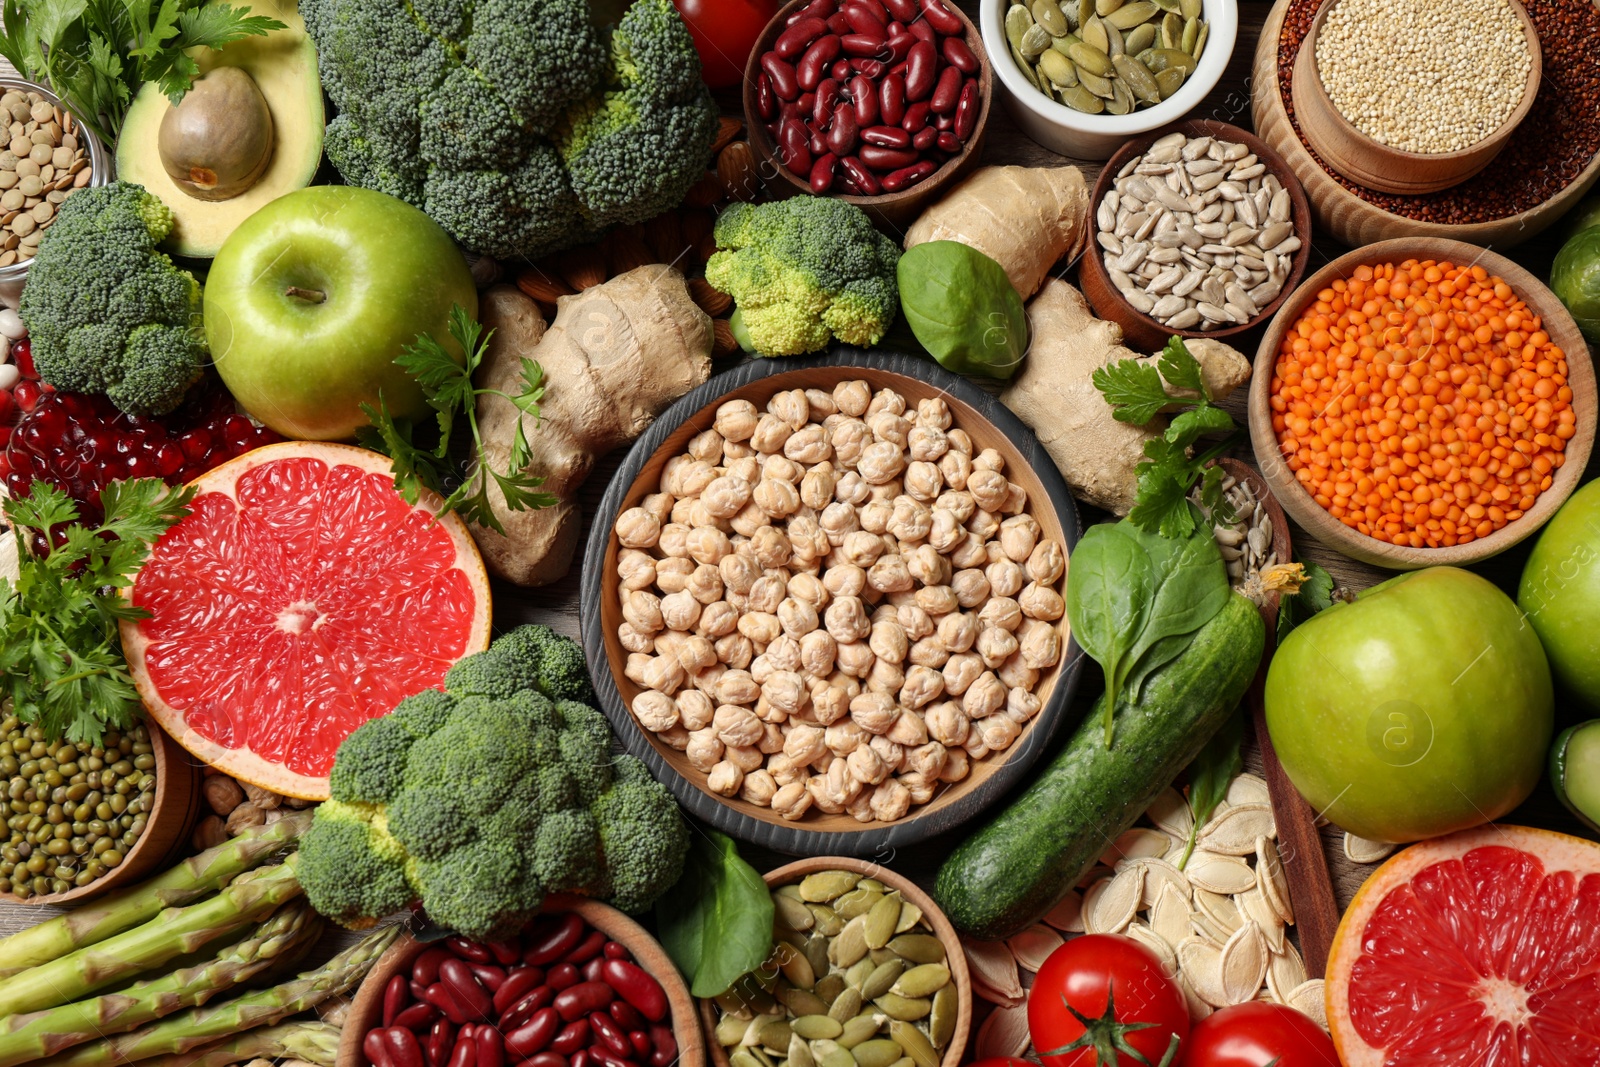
1142, 63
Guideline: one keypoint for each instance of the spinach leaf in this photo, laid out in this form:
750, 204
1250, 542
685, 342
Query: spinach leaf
716, 923
1209, 776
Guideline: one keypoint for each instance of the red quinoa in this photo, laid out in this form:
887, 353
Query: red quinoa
1559, 138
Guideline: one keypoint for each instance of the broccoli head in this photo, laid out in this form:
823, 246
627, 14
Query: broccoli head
481, 799
804, 271
106, 311
521, 126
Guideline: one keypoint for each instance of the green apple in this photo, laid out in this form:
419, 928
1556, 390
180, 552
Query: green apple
312, 297
1560, 591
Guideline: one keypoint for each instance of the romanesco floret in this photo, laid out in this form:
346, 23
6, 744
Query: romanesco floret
106, 311
804, 271
520, 126
481, 799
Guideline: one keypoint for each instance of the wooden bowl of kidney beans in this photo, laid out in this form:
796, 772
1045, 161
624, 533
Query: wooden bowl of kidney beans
881, 103
583, 986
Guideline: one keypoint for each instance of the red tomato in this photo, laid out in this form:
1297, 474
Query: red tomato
1256, 1034
1118, 986
724, 31
1001, 1061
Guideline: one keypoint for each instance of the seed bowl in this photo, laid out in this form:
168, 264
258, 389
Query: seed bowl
1328, 530
955, 956
990, 425
1140, 330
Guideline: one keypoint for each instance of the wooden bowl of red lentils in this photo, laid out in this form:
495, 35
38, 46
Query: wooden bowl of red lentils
1422, 402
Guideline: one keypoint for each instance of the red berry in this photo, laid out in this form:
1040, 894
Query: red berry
22, 353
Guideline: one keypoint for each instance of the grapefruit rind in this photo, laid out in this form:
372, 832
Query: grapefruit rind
1556, 851
242, 762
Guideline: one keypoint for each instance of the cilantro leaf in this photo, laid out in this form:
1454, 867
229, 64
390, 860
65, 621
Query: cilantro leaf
1188, 426
1133, 389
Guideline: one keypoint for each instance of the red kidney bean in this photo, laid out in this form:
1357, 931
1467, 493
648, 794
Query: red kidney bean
417, 1016
376, 1049
948, 142
864, 97
395, 996
579, 1058
859, 44
491, 1047
556, 941
417, 988
877, 9
828, 93
638, 988
922, 31
821, 180
534, 1035
766, 101
788, 109
610, 1034
946, 91
817, 9
519, 983
583, 998
403, 1048
958, 55
460, 981
922, 69
900, 46
794, 151
966, 111
886, 136
491, 976
626, 1014
841, 139
787, 88
841, 70
863, 19
838, 23
808, 100
426, 969
573, 1036
506, 953
523, 1010
440, 1040
942, 18
546, 1058
902, 10
872, 68
859, 176
925, 138
943, 122
469, 950
818, 145
908, 176
591, 970
440, 997
465, 1054
810, 70
892, 100
640, 1042
606, 1058
665, 1044
916, 117
793, 41
562, 975
850, 188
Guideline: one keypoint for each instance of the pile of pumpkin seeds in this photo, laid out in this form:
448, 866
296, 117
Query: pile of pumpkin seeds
1111, 56
856, 978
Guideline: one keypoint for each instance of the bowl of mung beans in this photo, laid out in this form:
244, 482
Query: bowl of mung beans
1412, 98
1422, 402
83, 819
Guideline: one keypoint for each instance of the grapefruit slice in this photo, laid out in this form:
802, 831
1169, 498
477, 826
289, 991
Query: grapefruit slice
1480, 949
300, 598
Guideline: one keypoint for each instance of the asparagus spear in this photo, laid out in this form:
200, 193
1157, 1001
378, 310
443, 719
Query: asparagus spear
189, 881
25, 1038
173, 933
198, 1027
308, 1040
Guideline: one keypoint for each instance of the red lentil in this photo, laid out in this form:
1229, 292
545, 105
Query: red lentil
1422, 403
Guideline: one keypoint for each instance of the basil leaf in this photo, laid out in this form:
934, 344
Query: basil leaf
716, 923
1210, 775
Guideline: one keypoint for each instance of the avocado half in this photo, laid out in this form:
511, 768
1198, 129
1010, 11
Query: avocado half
283, 65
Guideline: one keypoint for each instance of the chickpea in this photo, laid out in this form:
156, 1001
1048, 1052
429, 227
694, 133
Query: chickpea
638, 528
725, 496
947, 723
890, 427
1014, 673
733, 451
984, 524
1001, 611
885, 677
739, 572
704, 750
770, 547
786, 691
770, 434
816, 487
887, 400
956, 765
655, 711
717, 619
761, 627
866, 766
928, 652
861, 549
844, 580
680, 610
736, 420
695, 709
725, 779
735, 649
689, 479
846, 620
783, 652
888, 640
700, 515
672, 574
1005, 579
808, 446
634, 641
916, 620
851, 488
958, 631
776, 499
635, 569
969, 553
960, 440
983, 697
707, 544
696, 653
1021, 705
849, 439
927, 442
797, 617
926, 759
852, 397
956, 468
1018, 536
971, 586
817, 650
874, 711
822, 403
791, 406
844, 737
830, 705
998, 731
880, 461
642, 611
707, 679
1047, 563
1039, 643
854, 658
920, 788
737, 687
704, 584
792, 801
909, 520
993, 553
989, 460
995, 646
633, 669
923, 481
664, 674
1041, 602
786, 771
889, 575
922, 685
659, 505
768, 591
807, 540
805, 744
674, 541
960, 671
928, 567
736, 725
934, 412
809, 588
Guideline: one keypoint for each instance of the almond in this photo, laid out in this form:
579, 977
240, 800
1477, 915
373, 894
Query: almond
582, 267
736, 170
723, 342
542, 287
728, 131
626, 250
709, 298
705, 192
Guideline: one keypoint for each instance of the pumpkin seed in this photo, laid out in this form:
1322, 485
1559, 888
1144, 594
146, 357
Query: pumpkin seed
851, 944
1243, 964
1155, 943
1017, 22
1161, 59
923, 981
799, 1054
910, 916
1286, 971
796, 967
744, 1058
847, 1005
882, 920
1171, 30
1067, 915
1157, 872
1138, 39
1253, 906
1361, 850
992, 966
828, 921
879, 1052
1169, 917
1114, 907
1200, 41
1080, 99
1201, 963
880, 956
1169, 81
832, 1054
1269, 875
1091, 59
1004, 1033
1219, 909
905, 1008
942, 1019
1308, 997
856, 902
775, 1035
1248, 789
731, 1029
882, 978
1033, 946
918, 948
857, 973
1198, 1009
823, 886
1234, 832
829, 987
1133, 14
1169, 810
1106, 7
1218, 873
914, 1042
1058, 68
1189, 8
813, 1027
1101, 87
859, 1029
802, 1002
1191, 34
794, 914
1035, 40
1048, 14
1137, 77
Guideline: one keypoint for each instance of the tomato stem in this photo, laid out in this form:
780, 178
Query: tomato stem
1108, 1037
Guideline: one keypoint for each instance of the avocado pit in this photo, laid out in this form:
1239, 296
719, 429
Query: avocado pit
217, 142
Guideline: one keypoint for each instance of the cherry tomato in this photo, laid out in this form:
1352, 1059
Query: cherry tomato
1119, 987
1001, 1061
724, 31
1255, 1034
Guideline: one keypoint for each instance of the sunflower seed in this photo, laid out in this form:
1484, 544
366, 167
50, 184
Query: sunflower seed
1360, 850
1033, 946
1243, 964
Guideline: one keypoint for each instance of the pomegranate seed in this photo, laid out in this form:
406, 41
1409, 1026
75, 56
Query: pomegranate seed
26, 393
8, 407
196, 444
22, 354
168, 458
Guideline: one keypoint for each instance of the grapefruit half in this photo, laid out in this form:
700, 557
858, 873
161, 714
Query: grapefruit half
1480, 949
300, 598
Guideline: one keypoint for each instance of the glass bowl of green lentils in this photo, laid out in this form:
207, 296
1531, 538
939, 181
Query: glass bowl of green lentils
85, 819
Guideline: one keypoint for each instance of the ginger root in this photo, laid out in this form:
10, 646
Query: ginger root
1023, 218
615, 356
1054, 394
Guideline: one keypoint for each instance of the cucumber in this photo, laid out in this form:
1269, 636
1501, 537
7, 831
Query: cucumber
1010, 873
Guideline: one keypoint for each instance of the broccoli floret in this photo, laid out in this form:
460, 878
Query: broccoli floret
804, 271
480, 799
521, 126
106, 311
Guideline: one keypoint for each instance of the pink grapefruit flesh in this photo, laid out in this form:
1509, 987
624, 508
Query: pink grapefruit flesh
300, 598
1480, 949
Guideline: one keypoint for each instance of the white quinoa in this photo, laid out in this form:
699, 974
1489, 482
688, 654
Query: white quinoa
1427, 76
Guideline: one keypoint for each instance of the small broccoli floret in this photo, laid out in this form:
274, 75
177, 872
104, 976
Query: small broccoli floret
567, 854
349, 867
529, 657
804, 271
374, 762
106, 311
644, 838
474, 890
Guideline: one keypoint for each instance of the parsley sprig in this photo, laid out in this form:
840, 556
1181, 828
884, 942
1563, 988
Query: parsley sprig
448, 387
60, 653
1168, 473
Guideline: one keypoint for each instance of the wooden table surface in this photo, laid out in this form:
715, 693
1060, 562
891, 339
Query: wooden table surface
557, 605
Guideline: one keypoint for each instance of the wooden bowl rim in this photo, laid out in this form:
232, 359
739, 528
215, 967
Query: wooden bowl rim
1300, 213
367, 1005
955, 955
172, 761
1298, 503
1497, 137
969, 800
952, 168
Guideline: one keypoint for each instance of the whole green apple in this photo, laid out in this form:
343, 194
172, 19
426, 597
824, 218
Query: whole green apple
1421, 708
1560, 591
311, 299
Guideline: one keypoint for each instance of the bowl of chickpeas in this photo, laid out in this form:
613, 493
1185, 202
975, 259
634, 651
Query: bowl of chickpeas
824, 601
